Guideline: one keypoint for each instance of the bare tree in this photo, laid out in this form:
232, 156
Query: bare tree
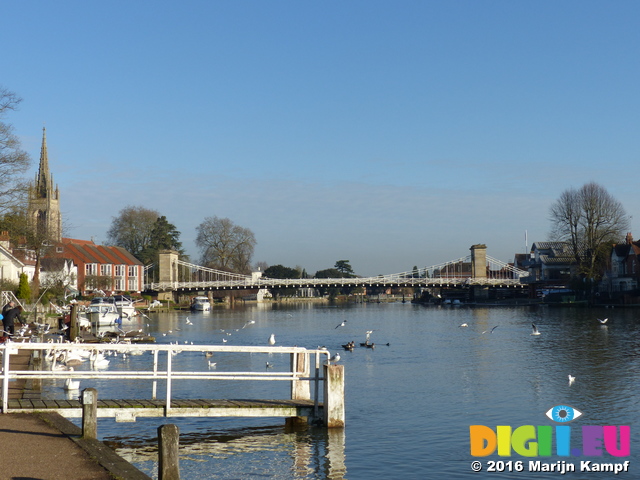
225, 245
132, 229
590, 220
13, 160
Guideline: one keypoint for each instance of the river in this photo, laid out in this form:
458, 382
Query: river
410, 404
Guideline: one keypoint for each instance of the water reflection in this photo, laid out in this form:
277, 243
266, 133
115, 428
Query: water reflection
299, 452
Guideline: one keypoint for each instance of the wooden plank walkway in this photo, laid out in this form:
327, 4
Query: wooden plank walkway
129, 409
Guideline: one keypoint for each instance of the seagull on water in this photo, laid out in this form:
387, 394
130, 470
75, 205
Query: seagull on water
463, 325
535, 329
571, 379
490, 331
603, 321
188, 322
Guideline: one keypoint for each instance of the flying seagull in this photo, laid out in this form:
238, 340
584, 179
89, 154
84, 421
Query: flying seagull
535, 329
490, 331
602, 322
341, 324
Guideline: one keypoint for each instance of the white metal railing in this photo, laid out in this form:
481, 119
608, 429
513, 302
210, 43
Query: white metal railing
156, 373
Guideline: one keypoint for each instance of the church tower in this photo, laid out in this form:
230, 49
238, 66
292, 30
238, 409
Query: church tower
44, 200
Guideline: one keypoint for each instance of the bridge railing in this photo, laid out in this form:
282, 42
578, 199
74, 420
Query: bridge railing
334, 282
299, 373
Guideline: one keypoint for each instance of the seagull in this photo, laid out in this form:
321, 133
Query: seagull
212, 364
463, 325
571, 379
535, 329
335, 358
268, 365
602, 322
272, 339
341, 325
490, 331
188, 322
250, 322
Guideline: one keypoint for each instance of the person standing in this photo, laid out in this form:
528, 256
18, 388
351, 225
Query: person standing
9, 318
8, 307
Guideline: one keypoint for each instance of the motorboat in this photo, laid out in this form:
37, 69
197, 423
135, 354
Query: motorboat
201, 303
125, 306
103, 311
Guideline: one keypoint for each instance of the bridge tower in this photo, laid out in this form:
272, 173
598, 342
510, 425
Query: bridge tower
167, 270
479, 270
479, 261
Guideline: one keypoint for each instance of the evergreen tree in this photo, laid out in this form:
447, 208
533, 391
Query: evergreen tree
24, 290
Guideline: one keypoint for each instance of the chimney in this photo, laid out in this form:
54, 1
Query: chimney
629, 238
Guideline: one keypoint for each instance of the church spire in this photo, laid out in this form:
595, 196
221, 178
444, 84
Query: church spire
44, 182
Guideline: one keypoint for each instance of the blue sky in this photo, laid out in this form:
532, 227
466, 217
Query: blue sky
391, 134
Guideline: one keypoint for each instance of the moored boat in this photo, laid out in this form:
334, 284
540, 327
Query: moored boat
200, 303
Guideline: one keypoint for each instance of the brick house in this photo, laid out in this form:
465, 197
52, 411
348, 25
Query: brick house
102, 267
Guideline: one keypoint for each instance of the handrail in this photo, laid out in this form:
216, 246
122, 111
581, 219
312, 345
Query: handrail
168, 374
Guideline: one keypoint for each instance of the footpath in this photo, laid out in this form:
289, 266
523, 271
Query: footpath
47, 446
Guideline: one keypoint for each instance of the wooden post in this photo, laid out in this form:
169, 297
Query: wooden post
300, 389
73, 326
168, 457
90, 413
334, 412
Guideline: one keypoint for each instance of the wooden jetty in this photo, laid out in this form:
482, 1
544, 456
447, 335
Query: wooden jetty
304, 401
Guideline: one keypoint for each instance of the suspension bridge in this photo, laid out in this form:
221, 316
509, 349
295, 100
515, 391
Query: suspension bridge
476, 269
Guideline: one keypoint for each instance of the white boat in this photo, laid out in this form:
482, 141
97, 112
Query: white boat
102, 311
201, 304
125, 306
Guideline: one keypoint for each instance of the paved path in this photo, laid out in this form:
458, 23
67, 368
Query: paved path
47, 446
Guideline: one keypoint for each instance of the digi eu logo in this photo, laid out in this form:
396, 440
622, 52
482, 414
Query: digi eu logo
534, 441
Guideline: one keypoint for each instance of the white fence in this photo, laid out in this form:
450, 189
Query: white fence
298, 374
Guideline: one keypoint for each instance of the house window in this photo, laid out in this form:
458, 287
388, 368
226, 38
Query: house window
91, 269
133, 271
133, 283
119, 270
105, 270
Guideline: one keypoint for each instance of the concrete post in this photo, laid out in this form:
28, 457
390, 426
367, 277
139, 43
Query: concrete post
168, 456
334, 411
90, 413
300, 389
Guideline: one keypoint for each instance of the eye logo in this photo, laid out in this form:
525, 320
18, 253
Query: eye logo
563, 413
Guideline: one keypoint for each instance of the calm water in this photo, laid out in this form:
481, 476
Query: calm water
409, 404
